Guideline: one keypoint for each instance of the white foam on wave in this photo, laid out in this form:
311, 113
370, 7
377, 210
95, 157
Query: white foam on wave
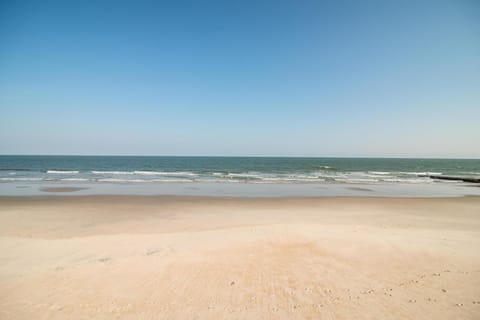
121, 180
326, 167
165, 173
400, 180
470, 173
319, 176
305, 176
244, 175
115, 180
145, 176
291, 179
146, 173
216, 180
63, 171
112, 172
218, 174
170, 180
356, 180
21, 179
421, 174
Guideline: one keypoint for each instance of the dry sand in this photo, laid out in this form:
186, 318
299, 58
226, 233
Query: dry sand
134, 257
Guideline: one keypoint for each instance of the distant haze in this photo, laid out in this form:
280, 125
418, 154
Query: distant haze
286, 78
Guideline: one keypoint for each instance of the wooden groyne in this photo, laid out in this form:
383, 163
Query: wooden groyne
451, 178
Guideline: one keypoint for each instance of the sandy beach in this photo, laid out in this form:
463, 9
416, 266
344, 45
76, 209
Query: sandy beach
159, 257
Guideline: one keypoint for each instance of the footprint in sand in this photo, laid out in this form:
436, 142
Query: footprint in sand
152, 252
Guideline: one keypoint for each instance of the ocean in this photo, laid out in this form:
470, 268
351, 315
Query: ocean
163, 171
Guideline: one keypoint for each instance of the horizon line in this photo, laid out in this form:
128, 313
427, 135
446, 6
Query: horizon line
241, 156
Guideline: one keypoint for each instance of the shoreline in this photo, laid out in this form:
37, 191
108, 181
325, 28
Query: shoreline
69, 196
251, 190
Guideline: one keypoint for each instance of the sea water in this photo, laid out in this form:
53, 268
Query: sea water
267, 176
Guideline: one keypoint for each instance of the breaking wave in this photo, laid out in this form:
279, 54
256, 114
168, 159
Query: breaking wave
63, 172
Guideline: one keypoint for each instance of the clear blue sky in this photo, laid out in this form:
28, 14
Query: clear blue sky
314, 78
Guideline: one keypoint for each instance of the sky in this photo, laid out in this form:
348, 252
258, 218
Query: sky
267, 78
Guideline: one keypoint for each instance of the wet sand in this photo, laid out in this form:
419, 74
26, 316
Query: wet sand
144, 257
62, 189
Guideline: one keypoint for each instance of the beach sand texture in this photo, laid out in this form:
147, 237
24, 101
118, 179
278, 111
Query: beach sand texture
139, 257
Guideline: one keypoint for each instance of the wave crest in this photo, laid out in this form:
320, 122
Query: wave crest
63, 171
